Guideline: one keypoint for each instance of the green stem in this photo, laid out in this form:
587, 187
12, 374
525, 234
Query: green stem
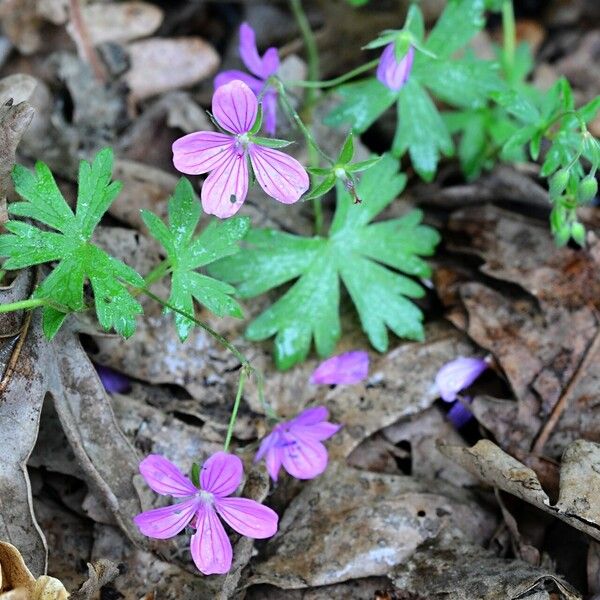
157, 273
338, 80
310, 43
236, 407
509, 37
22, 305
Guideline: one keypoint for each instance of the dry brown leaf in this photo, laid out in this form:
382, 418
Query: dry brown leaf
123, 22
579, 498
460, 571
351, 524
160, 65
32, 368
17, 582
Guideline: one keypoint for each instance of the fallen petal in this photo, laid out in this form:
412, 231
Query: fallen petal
346, 369
457, 375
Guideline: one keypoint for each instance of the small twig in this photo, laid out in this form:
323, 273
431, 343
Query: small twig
83, 42
14, 357
561, 405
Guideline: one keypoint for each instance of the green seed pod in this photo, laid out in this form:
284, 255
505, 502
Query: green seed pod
562, 235
587, 190
558, 183
578, 233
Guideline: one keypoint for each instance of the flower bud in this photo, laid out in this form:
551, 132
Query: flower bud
587, 190
558, 183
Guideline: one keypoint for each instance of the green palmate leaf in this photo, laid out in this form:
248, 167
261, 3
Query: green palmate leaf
79, 260
371, 260
420, 130
186, 253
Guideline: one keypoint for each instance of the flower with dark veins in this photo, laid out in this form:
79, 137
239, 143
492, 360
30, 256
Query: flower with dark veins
226, 156
201, 508
296, 445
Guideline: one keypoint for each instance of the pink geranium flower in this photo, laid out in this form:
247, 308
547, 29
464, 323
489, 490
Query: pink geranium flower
225, 156
262, 69
296, 444
220, 476
392, 73
345, 369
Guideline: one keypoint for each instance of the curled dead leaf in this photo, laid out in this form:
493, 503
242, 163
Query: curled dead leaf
17, 582
579, 496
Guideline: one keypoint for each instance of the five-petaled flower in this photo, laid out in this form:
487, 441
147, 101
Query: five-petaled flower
225, 156
344, 369
392, 73
296, 444
454, 377
220, 476
262, 69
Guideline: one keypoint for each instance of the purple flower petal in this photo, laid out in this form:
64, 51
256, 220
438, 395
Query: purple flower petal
269, 104
266, 444
234, 106
457, 375
210, 546
113, 381
202, 151
279, 175
319, 432
459, 414
310, 416
273, 462
165, 478
249, 51
168, 521
248, 517
304, 458
256, 85
270, 63
225, 189
346, 369
221, 474
392, 73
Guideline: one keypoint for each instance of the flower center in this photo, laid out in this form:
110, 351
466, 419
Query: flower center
241, 143
206, 497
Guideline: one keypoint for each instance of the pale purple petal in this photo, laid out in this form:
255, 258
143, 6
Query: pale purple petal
225, 189
459, 414
270, 63
113, 381
269, 104
266, 444
165, 478
457, 375
273, 462
310, 416
346, 369
210, 546
319, 431
392, 73
202, 151
168, 521
249, 51
304, 458
279, 175
248, 517
221, 474
256, 85
234, 106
